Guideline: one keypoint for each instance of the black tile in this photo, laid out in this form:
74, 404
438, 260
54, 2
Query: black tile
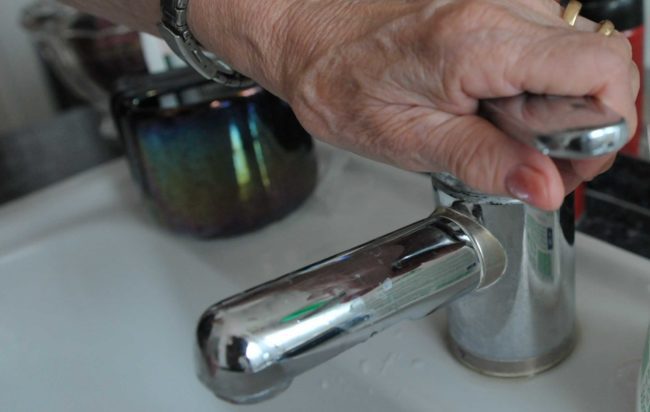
627, 180
618, 206
617, 222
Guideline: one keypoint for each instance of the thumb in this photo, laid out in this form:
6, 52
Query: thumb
484, 158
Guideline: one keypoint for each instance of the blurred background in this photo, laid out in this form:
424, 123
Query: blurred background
25, 94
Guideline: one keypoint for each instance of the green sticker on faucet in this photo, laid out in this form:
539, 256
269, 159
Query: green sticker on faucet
540, 241
302, 312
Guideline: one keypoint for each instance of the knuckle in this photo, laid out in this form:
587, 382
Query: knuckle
610, 57
622, 44
617, 46
465, 15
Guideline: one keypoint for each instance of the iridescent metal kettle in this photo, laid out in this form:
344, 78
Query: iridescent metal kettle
212, 160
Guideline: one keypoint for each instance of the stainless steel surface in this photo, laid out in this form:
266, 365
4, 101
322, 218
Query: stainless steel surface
516, 323
559, 126
525, 323
517, 368
251, 346
644, 145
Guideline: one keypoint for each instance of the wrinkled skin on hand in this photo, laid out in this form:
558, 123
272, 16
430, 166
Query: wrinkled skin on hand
399, 81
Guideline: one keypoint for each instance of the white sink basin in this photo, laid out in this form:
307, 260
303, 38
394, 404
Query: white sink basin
98, 307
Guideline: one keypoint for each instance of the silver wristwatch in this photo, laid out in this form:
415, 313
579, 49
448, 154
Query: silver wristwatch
175, 31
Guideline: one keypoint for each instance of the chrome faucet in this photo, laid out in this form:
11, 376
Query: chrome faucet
525, 323
505, 271
251, 346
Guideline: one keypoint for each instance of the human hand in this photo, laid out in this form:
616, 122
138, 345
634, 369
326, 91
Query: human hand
399, 81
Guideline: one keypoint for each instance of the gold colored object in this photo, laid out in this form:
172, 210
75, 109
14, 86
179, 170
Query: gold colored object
606, 28
571, 12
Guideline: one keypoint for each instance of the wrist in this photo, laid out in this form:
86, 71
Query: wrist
246, 34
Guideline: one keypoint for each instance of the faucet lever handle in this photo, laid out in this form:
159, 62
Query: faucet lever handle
562, 127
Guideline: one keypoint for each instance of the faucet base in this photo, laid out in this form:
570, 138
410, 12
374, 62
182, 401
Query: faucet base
514, 369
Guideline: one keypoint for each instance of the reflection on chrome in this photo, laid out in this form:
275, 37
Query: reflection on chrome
251, 346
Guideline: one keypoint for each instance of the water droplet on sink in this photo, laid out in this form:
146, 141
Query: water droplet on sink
388, 361
417, 363
398, 333
387, 285
621, 387
324, 384
364, 365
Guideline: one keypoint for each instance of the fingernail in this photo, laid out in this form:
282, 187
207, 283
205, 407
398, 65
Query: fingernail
525, 183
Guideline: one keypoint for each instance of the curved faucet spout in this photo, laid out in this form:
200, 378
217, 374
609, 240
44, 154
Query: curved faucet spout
250, 346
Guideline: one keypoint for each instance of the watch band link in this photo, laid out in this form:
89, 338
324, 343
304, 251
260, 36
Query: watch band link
176, 32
